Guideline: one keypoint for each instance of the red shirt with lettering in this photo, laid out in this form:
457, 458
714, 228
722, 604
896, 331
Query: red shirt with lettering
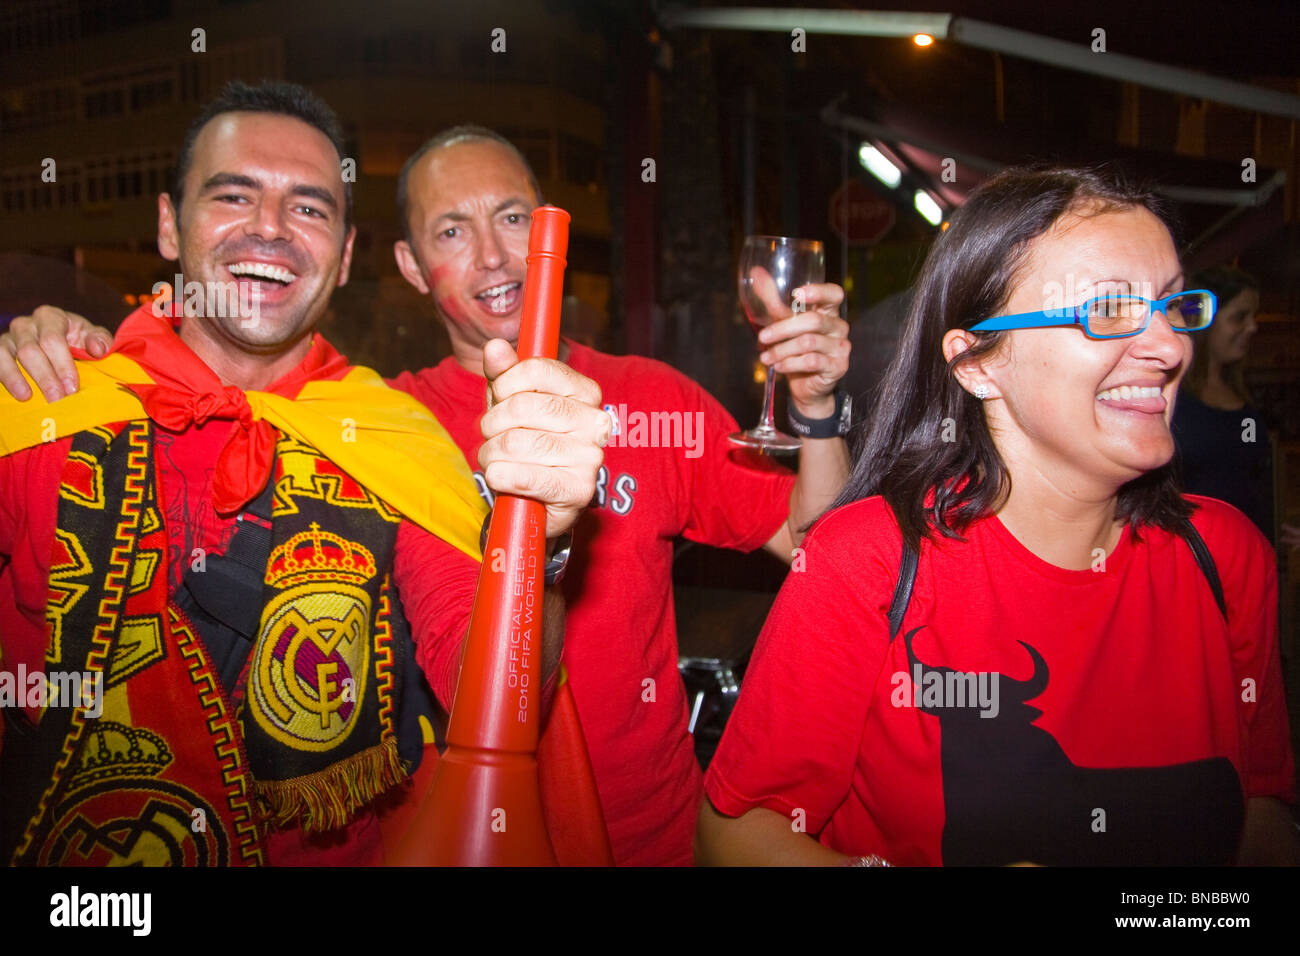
670, 472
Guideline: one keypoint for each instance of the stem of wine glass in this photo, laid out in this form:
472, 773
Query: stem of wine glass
765, 422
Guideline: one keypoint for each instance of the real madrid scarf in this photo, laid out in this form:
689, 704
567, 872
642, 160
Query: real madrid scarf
321, 695
318, 712
160, 776
318, 737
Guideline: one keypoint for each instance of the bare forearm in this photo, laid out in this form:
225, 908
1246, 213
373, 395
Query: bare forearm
823, 470
1269, 837
553, 614
757, 838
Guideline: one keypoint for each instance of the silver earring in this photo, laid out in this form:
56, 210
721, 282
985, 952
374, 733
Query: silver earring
981, 391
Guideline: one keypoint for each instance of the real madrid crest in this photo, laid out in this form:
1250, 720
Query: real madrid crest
311, 668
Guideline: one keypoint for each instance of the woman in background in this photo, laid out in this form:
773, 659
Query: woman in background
1004, 645
1223, 446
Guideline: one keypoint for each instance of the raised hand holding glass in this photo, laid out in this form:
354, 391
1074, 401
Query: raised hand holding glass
771, 269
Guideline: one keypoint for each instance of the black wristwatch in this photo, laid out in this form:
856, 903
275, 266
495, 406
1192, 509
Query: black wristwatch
835, 426
558, 561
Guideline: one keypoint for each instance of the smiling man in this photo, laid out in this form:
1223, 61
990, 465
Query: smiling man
260, 222
465, 199
221, 522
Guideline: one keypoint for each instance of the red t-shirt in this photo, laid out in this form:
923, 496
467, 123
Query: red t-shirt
1130, 720
620, 646
436, 582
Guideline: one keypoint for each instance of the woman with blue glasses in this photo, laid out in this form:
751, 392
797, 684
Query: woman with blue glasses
1014, 640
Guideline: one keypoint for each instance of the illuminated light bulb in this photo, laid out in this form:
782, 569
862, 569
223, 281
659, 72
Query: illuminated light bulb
927, 207
874, 161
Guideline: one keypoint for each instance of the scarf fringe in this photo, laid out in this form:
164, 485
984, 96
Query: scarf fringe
327, 799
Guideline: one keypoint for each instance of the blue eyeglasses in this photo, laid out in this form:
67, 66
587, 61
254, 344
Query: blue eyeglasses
1116, 316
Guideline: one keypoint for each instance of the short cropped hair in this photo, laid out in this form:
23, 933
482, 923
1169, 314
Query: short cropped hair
269, 96
465, 133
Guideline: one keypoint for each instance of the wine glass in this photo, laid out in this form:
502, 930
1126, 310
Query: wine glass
771, 268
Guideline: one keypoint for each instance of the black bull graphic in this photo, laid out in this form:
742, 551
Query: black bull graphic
1011, 794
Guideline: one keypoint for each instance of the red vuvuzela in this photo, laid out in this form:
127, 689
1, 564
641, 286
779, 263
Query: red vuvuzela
484, 806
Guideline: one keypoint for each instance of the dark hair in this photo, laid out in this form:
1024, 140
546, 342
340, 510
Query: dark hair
1226, 282
465, 133
967, 277
269, 96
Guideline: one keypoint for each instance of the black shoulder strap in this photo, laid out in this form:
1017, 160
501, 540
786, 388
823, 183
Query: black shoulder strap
903, 589
1206, 561
908, 562
224, 600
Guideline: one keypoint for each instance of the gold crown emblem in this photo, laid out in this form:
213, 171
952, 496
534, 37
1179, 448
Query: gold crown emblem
317, 555
114, 750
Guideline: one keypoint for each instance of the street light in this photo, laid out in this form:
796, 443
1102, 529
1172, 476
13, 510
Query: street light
989, 36
874, 161
927, 207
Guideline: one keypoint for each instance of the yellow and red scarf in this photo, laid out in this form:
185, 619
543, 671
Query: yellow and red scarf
307, 752
384, 439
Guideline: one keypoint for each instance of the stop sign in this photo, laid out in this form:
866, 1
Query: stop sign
858, 215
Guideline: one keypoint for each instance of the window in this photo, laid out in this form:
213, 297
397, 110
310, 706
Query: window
35, 25
101, 16
130, 90
37, 107
151, 93
131, 178
101, 103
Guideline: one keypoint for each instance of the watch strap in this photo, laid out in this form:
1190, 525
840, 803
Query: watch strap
835, 425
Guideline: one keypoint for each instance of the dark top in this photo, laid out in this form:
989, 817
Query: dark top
1219, 461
